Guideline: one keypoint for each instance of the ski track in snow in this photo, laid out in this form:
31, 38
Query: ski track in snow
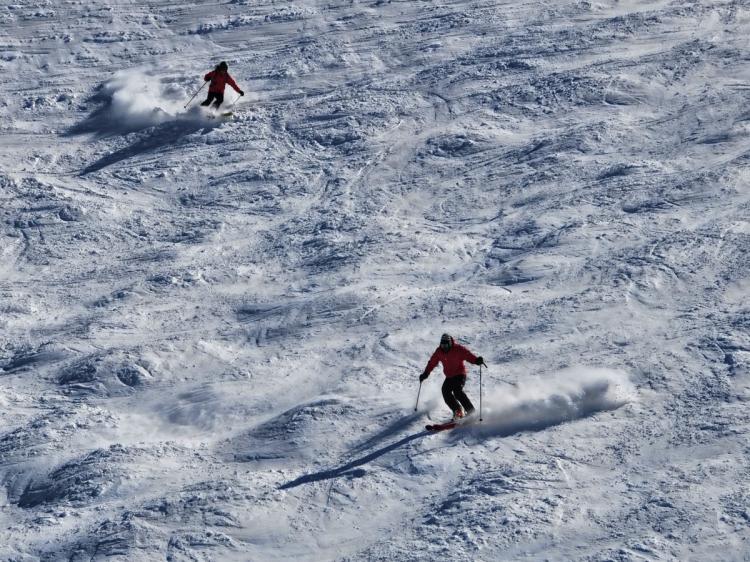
211, 330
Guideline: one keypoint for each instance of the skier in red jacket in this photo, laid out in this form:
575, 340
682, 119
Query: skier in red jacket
219, 78
452, 355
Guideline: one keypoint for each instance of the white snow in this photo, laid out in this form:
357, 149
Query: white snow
211, 330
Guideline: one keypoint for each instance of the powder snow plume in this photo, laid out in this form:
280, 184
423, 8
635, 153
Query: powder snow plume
132, 100
567, 395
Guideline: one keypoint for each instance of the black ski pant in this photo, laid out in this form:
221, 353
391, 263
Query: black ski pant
214, 96
454, 396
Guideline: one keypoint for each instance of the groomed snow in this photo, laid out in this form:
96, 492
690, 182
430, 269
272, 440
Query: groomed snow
211, 329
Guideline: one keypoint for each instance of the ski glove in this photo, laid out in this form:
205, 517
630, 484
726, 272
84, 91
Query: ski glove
423, 376
242, 93
480, 361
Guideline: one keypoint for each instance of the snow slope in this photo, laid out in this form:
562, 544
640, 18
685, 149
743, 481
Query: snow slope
211, 330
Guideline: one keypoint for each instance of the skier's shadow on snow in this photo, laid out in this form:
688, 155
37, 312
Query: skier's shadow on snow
161, 136
348, 470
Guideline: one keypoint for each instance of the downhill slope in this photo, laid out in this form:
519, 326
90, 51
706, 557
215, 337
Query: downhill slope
211, 329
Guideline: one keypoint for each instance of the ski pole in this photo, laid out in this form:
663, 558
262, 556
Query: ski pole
195, 94
418, 393
480, 393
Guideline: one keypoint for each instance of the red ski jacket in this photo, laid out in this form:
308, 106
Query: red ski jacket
452, 360
219, 80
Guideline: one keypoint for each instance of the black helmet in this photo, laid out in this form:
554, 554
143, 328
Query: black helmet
222, 65
446, 341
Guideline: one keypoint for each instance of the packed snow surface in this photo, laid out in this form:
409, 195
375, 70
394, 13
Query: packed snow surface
211, 329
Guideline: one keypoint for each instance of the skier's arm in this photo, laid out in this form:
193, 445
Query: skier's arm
470, 357
234, 85
208, 76
431, 364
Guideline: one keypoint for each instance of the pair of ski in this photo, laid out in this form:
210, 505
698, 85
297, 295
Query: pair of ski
221, 114
448, 425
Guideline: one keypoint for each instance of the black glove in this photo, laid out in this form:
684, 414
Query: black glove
423, 377
242, 93
480, 361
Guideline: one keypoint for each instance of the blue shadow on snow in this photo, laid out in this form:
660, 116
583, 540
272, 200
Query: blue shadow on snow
165, 135
344, 470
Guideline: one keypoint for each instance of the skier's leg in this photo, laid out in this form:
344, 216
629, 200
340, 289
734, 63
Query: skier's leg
461, 395
448, 389
209, 99
219, 100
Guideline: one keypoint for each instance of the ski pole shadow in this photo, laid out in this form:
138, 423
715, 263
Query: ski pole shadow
348, 469
390, 431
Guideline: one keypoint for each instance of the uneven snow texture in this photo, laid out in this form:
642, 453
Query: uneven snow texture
211, 329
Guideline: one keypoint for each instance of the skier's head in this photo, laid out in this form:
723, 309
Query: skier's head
446, 342
222, 66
